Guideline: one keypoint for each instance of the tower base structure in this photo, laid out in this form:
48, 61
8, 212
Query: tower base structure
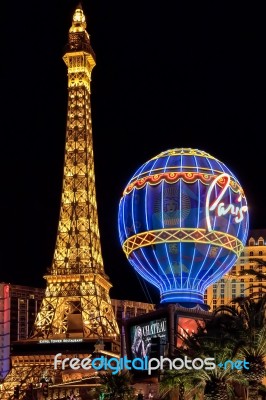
58, 362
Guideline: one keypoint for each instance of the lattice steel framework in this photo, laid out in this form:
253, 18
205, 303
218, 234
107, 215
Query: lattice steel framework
77, 283
76, 301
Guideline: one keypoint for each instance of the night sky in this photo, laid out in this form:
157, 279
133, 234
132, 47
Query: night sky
167, 75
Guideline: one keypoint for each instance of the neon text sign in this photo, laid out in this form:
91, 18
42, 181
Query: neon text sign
219, 206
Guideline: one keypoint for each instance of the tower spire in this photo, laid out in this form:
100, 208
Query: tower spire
78, 20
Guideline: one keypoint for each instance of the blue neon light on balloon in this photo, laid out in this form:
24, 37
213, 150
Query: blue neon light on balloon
183, 222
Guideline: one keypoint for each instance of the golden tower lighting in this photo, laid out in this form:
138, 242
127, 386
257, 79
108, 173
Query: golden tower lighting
76, 311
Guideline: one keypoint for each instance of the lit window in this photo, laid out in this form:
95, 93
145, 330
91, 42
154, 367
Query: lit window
261, 241
251, 242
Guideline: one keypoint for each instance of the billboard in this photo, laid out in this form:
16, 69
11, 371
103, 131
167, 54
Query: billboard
170, 324
150, 335
186, 326
141, 335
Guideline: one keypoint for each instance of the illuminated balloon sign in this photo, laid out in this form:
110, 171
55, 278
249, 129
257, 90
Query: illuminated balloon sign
183, 222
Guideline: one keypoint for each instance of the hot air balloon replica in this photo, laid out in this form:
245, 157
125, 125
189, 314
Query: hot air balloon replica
183, 222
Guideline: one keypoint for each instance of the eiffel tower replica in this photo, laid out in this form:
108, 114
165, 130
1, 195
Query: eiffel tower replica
76, 317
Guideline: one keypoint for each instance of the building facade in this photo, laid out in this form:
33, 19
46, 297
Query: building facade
19, 307
241, 281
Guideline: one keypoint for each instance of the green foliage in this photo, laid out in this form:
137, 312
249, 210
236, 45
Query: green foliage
117, 386
242, 326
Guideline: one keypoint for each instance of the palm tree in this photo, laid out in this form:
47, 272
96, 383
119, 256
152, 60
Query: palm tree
221, 382
247, 314
117, 386
253, 350
211, 340
218, 384
179, 384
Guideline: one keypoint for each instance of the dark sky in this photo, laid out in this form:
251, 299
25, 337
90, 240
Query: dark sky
167, 75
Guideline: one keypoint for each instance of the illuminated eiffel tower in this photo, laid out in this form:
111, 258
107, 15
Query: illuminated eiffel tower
76, 316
